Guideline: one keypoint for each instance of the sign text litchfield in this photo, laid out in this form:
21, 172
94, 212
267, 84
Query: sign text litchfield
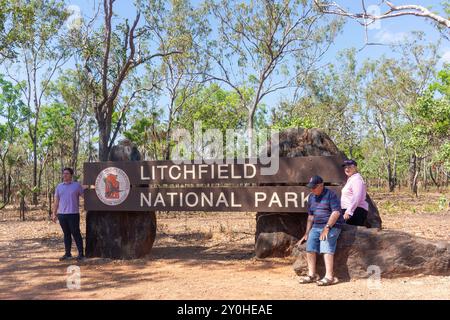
238, 186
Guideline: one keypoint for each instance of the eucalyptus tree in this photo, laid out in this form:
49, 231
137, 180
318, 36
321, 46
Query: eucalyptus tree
56, 130
431, 130
72, 91
11, 118
393, 85
13, 14
8, 33
41, 51
332, 99
124, 47
148, 132
262, 47
179, 27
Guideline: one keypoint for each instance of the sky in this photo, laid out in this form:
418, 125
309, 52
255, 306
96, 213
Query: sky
385, 31
353, 35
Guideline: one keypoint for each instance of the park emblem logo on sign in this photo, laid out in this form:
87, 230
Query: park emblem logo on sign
112, 186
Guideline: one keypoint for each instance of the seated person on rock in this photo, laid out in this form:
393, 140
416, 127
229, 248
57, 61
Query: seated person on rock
322, 230
353, 197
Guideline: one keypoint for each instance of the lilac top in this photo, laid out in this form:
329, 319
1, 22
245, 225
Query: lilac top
353, 194
68, 195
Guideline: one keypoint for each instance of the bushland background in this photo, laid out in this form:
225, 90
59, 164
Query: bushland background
78, 76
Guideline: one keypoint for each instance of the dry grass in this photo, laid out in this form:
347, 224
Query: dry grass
405, 202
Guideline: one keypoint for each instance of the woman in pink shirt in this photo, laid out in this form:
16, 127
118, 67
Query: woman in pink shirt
353, 196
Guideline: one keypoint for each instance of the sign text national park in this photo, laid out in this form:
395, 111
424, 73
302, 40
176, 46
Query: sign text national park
202, 186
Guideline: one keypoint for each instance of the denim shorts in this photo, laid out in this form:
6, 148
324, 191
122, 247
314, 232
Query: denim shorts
314, 244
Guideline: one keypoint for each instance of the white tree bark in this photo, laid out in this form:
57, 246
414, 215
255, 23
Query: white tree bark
393, 11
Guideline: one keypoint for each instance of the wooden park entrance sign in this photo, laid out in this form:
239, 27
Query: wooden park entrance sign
205, 186
123, 196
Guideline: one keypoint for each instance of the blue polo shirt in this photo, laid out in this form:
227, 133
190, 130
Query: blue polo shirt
322, 206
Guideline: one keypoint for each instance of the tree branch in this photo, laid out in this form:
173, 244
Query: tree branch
394, 11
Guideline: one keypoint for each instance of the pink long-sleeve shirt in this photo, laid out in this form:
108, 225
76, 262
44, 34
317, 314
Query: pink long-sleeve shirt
353, 194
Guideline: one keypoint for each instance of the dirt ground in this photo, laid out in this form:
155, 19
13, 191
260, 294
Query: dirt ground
204, 256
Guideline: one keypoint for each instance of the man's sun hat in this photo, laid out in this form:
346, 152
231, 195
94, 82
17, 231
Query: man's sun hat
314, 181
349, 162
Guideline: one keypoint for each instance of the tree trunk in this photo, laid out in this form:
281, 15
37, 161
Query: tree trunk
415, 183
9, 185
61, 162
391, 180
395, 181
424, 177
50, 200
4, 182
22, 208
53, 169
433, 178
250, 122
75, 148
447, 180
167, 153
90, 144
41, 169
412, 174
250, 133
103, 150
35, 195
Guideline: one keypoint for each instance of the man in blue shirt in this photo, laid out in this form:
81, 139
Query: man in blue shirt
66, 209
322, 230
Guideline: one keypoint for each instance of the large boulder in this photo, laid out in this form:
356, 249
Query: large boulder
300, 142
125, 150
362, 252
373, 215
277, 233
120, 235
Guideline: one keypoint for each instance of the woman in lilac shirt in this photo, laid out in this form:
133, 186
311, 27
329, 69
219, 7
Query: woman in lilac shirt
353, 196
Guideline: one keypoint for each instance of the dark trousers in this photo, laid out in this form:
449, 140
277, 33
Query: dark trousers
70, 225
359, 217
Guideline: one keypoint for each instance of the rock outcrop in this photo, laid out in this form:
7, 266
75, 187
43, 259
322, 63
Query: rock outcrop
361, 252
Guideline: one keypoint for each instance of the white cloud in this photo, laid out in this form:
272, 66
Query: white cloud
75, 19
446, 56
388, 37
74, 9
